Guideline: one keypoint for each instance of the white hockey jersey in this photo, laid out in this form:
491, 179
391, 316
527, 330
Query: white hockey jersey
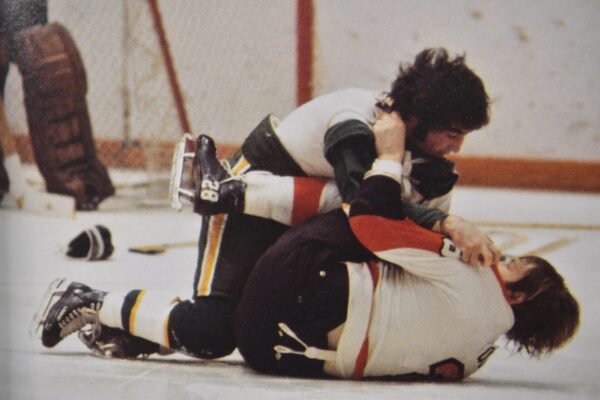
302, 134
302, 131
435, 317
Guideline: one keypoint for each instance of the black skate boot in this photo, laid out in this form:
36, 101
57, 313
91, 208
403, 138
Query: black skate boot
110, 342
77, 306
217, 191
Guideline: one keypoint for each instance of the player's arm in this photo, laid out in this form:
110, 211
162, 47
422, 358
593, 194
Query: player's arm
379, 195
377, 215
349, 146
378, 219
350, 149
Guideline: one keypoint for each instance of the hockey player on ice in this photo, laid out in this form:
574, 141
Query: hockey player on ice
440, 99
357, 293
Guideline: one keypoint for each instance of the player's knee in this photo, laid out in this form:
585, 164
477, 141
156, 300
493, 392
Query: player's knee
255, 343
203, 328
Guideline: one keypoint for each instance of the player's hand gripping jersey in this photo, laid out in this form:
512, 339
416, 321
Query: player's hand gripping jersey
331, 137
419, 310
328, 137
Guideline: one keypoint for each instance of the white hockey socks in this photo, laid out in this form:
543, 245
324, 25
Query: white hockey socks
142, 313
288, 200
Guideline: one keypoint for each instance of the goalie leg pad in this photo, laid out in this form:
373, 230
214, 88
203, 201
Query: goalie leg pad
4, 65
55, 86
4, 182
4, 62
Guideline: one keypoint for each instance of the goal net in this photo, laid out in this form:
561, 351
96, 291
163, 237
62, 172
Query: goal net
157, 69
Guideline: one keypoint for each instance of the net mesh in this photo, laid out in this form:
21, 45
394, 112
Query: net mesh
234, 62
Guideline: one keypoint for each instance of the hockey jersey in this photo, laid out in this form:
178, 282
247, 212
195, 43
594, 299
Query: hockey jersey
418, 310
302, 134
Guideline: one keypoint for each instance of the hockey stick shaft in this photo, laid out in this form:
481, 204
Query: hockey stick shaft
539, 225
151, 249
551, 246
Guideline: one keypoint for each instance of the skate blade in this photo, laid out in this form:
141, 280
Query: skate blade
53, 293
180, 155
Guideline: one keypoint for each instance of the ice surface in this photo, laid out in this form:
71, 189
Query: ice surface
31, 255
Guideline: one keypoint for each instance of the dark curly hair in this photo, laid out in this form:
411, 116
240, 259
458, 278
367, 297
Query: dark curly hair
549, 316
440, 92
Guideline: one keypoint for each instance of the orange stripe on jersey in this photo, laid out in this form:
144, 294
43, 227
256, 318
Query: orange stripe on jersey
213, 243
377, 234
133, 312
363, 354
307, 198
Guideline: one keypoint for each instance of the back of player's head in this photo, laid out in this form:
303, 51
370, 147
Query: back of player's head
549, 316
441, 93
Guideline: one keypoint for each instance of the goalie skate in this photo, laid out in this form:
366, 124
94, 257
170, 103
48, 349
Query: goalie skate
184, 151
55, 290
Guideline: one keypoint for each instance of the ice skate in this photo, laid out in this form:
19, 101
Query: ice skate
64, 311
110, 342
184, 151
215, 190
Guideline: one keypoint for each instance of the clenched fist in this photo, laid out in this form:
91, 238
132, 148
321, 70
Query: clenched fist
477, 247
390, 134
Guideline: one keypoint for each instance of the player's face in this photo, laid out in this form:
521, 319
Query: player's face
441, 143
513, 270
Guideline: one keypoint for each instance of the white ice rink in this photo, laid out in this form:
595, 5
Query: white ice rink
31, 255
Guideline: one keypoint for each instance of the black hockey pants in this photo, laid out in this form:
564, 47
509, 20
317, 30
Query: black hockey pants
300, 281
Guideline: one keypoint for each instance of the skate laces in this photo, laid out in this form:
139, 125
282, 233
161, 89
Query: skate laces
308, 351
231, 178
79, 318
232, 175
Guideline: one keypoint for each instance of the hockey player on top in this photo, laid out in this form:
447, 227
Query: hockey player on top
439, 98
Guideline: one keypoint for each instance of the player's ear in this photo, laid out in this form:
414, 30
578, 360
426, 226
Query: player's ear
516, 297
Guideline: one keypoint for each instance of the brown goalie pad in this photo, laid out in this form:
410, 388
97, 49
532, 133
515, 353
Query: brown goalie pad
4, 181
4, 184
4, 61
55, 86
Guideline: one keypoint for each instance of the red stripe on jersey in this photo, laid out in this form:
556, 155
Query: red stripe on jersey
377, 234
363, 354
307, 198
